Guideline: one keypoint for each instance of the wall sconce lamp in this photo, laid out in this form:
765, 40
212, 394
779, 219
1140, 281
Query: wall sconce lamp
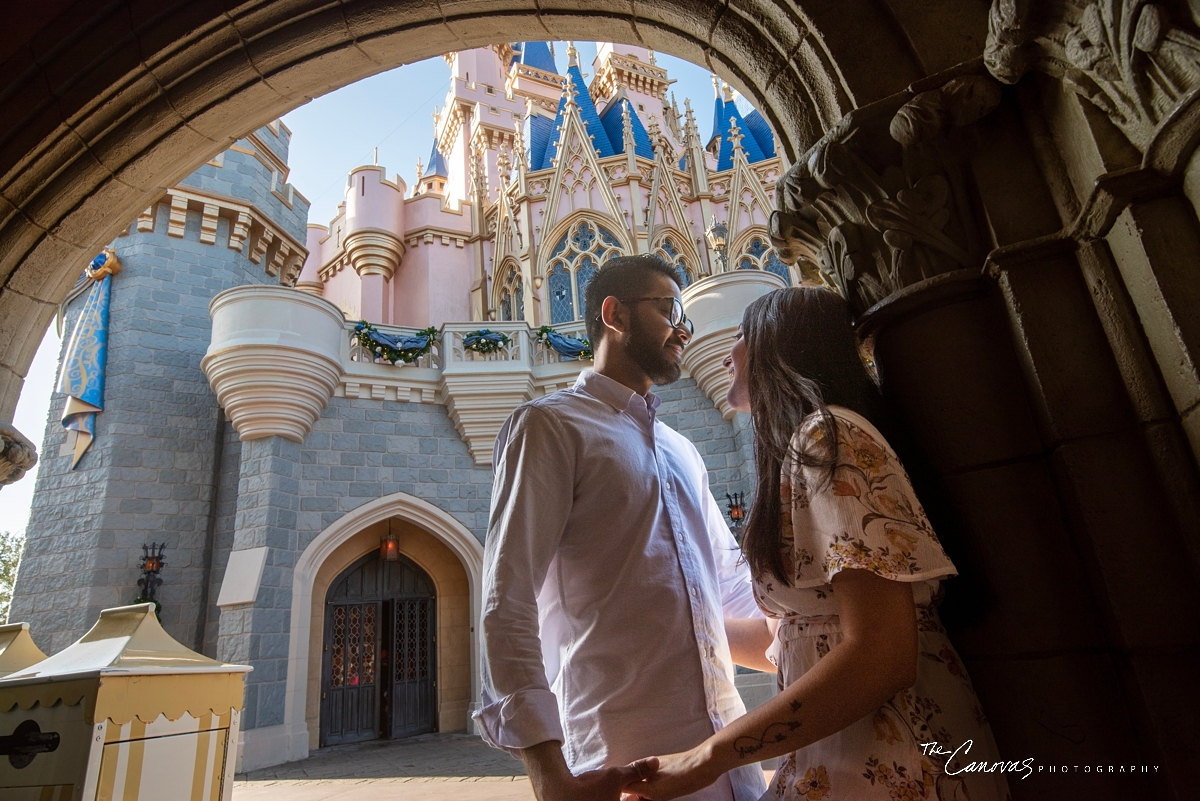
737, 511
717, 235
152, 565
389, 547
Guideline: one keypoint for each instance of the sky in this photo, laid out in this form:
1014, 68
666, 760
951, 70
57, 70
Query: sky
331, 135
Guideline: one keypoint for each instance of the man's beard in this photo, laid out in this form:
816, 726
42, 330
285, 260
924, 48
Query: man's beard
646, 354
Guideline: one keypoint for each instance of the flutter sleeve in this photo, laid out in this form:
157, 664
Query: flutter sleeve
866, 517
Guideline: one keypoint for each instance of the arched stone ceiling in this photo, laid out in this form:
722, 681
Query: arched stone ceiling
104, 105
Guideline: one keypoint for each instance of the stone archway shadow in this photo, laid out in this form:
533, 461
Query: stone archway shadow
440, 524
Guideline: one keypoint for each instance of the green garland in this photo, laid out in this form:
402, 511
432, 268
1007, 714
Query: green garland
363, 331
485, 341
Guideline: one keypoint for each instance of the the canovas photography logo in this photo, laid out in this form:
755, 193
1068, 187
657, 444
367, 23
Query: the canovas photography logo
956, 761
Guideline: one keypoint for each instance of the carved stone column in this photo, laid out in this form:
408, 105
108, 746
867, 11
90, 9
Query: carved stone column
17, 456
998, 278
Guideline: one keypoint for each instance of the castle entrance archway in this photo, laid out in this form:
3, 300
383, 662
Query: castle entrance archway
435, 595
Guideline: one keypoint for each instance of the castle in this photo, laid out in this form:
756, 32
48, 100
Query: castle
323, 508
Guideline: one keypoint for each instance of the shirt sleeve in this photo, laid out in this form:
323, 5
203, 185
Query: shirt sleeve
531, 501
737, 589
865, 517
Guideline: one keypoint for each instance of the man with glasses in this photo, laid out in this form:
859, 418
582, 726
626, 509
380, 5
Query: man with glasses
609, 569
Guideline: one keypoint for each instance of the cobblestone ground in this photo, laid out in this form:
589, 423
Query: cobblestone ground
435, 767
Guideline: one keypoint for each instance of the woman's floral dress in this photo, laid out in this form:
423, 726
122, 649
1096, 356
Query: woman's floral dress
868, 518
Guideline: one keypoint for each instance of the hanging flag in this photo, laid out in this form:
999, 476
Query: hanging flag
82, 374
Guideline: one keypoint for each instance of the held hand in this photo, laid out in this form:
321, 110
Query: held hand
677, 775
604, 784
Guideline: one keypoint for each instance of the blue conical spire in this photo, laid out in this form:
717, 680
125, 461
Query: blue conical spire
725, 112
538, 56
613, 121
587, 112
437, 164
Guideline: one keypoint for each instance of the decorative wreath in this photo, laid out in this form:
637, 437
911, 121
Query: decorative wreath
395, 349
485, 341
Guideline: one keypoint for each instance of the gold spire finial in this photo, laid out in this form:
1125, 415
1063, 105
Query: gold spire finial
572, 55
735, 134
627, 126
571, 91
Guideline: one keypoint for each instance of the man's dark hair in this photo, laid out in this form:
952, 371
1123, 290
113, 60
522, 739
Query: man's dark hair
624, 277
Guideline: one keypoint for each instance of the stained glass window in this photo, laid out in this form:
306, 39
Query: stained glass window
562, 304
668, 250
759, 255
338, 658
583, 276
573, 262
512, 294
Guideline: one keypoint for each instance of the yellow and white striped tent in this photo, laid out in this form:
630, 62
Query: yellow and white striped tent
125, 713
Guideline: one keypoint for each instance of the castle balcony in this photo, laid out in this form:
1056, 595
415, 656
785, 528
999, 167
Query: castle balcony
278, 355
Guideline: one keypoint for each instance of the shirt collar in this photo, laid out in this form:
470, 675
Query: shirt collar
616, 394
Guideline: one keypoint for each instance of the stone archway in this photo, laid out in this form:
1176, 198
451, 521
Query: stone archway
1053, 380
437, 543
109, 106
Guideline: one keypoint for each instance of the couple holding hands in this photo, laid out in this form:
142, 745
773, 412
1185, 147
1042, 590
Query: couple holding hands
616, 602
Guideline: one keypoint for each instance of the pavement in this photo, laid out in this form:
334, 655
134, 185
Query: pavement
432, 767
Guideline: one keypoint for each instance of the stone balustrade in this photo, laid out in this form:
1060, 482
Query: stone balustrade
278, 355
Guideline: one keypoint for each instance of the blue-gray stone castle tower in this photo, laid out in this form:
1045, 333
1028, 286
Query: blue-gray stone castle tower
162, 445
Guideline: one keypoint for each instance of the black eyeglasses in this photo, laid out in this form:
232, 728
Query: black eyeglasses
676, 317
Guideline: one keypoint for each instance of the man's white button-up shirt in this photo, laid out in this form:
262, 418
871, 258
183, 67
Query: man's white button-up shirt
608, 573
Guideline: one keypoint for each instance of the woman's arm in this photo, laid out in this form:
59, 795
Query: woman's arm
876, 659
749, 639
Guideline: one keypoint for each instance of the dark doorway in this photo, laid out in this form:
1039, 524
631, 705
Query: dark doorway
378, 661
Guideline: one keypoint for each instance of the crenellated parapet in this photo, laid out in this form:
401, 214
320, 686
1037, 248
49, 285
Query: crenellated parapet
250, 230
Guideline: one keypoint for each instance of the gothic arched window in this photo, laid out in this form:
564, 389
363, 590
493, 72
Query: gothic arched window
761, 256
668, 251
575, 259
512, 295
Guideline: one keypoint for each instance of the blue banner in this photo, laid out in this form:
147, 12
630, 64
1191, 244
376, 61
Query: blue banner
82, 374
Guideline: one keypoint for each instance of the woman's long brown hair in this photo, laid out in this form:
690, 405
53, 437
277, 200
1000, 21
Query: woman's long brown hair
802, 356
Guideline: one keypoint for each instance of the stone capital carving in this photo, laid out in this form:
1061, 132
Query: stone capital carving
374, 252
274, 360
876, 218
17, 456
1132, 59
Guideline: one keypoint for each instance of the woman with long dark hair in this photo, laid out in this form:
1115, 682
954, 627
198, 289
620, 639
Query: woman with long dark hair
874, 702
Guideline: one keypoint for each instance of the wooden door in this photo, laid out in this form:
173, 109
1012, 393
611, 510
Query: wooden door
379, 657
350, 697
414, 667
